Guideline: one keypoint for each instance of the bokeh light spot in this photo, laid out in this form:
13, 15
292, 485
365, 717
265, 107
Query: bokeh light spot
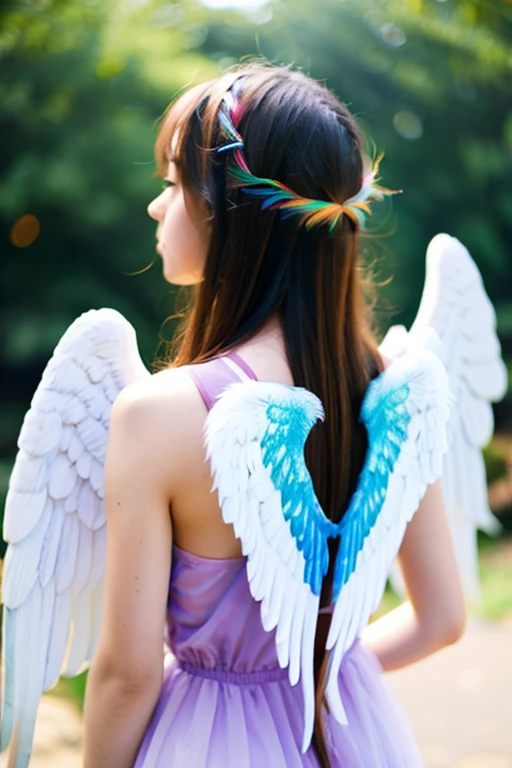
392, 35
25, 230
408, 125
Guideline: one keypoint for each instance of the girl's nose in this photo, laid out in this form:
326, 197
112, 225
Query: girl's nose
155, 209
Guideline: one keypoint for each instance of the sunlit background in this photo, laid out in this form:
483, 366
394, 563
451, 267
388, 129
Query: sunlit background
83, 83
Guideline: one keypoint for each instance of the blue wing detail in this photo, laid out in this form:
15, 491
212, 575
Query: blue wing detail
385, 414
282, 449
405, 412
255, 435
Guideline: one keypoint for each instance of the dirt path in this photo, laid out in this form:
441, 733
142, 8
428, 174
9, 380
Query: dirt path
459, 703
58, 737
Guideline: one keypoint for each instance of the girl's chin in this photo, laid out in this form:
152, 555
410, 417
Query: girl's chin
179, 279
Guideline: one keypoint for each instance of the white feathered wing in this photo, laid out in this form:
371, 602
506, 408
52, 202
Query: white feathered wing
55, 519
405, 412
454, 303
255, 435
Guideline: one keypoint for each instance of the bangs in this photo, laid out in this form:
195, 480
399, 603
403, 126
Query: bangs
176, 120
177, 117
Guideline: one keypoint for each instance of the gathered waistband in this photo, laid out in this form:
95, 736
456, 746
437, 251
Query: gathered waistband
238, 678
270, 675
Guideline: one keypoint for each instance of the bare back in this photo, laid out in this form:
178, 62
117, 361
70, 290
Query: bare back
196, 516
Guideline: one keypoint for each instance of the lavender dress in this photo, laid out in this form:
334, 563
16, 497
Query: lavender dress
225, 702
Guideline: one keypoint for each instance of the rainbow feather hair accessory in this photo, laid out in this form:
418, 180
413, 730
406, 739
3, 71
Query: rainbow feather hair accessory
278, 196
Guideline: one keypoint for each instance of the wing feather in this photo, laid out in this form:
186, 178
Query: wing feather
50, 548
68, 553
97, 597
405, 412
40, 434
80, 638
59, 637
9, 660
99, 549
63, 477
83, 566
55, 519
455, 305
255, 435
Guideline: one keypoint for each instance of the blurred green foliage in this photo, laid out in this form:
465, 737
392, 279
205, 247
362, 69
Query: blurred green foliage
496, 582
495, 463
72, 688
83, 83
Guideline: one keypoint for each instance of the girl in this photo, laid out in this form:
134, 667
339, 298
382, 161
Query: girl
265, 193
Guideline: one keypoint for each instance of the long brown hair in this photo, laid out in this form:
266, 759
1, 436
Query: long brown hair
258, 265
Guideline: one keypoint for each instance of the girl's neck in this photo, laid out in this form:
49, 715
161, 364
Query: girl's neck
265, 352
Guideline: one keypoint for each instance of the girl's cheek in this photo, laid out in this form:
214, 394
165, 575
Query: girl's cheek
170, 225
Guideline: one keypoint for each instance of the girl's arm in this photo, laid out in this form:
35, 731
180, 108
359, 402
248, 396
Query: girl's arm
434, 615
126, 673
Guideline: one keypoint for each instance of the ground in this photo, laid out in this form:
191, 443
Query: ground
459, 701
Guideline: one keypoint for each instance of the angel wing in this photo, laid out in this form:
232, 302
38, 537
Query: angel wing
454, 303
55, 521
255, 435
405, 412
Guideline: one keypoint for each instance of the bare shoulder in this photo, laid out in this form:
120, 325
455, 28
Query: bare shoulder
168, 390
163, 414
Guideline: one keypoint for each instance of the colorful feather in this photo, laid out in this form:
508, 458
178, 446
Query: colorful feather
277, 196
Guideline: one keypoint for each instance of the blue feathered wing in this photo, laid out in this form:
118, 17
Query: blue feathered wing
405, 412
255, 435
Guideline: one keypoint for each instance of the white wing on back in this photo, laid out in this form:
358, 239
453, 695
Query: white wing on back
55, 521
255, 435
405, 411
456, 306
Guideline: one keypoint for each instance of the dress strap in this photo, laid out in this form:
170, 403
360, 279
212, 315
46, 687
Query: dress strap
235, 357
213, 376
